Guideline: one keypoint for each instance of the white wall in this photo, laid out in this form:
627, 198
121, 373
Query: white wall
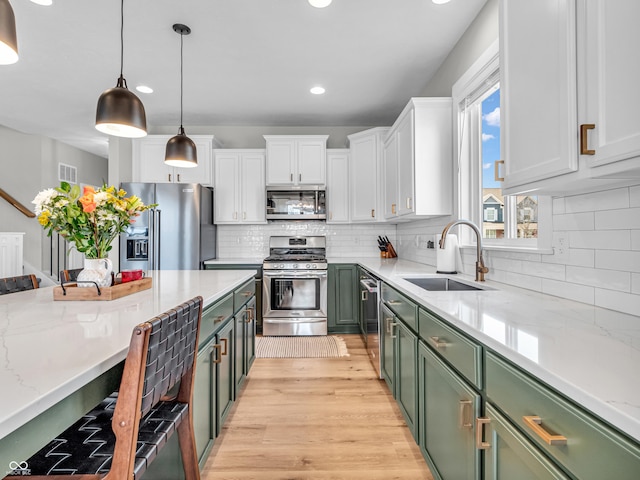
29, 165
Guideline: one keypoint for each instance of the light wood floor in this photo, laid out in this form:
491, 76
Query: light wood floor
316, 419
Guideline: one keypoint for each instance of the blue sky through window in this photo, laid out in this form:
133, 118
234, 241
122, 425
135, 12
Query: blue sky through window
490, 138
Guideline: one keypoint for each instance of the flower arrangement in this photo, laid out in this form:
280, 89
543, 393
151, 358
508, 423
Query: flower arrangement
92, 220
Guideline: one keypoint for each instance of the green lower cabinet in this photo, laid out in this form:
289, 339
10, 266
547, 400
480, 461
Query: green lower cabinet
250, 335
448, 407
406, 375
388, 345
343, 299
238, 348
510, 455
225, 373
204, 402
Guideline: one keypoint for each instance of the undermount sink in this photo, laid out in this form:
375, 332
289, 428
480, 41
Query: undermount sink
442, 284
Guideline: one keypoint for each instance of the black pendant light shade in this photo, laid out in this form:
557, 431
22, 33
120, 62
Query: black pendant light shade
119, 111
8, 37
181, 151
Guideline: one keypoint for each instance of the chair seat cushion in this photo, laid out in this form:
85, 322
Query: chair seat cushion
86, 447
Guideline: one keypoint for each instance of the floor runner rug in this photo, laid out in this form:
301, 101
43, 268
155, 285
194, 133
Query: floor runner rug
301, 347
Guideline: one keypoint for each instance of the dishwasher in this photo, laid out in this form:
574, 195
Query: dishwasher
369, 318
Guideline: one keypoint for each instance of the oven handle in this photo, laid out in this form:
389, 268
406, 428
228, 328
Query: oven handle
295, 273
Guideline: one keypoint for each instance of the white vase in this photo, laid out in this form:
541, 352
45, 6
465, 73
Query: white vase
96, 270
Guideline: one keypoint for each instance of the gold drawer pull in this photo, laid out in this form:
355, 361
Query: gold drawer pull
480, 423
219, 318
247, 293
438, 343
584, 144
224, 352
218, 358
394, 302
464, 405
249, 315
496, 170
535, 423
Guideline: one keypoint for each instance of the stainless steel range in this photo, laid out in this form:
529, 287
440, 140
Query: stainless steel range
295, 287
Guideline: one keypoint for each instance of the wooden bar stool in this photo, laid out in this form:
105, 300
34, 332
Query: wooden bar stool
69, 275
18, 284
121, 436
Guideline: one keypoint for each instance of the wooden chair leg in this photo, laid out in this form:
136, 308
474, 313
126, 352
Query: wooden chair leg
188, 452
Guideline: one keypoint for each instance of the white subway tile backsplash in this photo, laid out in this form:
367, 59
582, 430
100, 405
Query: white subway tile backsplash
572, 256
558, 206
572, 291
635, 239
604, 240
595, 277
620, 301
591, 202
544, 270
574, 221
518, 280
634, 196
618, 260
621, 219
635, 283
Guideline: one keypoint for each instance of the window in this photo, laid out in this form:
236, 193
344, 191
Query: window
505, 220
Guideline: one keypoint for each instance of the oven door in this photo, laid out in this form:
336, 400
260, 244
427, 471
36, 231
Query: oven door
294, 294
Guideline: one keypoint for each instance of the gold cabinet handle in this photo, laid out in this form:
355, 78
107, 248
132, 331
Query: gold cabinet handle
393, 208
496, 170
465, 420
480, 423
394, 302
224, 352
584, 137
218, 319
373, 213
364, 295
438, 343
408, 203
535, 423
169, 176
218, 356
178, 177
249, 315
246, 293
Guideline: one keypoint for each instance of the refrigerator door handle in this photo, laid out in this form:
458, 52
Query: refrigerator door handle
156, 240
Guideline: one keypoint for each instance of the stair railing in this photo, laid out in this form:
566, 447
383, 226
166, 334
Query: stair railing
24, 210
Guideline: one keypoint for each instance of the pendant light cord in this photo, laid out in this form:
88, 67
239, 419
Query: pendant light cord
181, 76
121, 36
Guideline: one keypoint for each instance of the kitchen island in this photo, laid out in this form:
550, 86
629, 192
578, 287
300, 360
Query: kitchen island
59, 358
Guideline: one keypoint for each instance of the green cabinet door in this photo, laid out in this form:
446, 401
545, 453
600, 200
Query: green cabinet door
238, 348
388, 340
406, 374
203, 413
250, 335
511, 455
342, 299
447, 410
225, 380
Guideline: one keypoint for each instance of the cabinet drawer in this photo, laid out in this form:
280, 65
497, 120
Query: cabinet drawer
214, 316
463, 354
592, 450
242, 294
404, 308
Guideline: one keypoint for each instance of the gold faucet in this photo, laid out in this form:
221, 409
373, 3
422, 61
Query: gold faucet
480, 268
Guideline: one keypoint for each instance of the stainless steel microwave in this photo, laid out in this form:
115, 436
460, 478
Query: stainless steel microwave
300, 203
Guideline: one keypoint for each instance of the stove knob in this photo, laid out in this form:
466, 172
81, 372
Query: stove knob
295, 265
315, 265
308, 265
281, 266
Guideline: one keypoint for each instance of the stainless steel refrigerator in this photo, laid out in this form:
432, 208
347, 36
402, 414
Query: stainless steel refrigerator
178, 234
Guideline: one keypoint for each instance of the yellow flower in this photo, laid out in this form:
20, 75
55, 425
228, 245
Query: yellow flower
43, 218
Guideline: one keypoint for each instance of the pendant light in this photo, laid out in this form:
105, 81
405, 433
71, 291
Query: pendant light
181, 151
8, 37
120, 112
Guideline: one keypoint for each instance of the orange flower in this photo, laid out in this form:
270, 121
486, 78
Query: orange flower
88, 204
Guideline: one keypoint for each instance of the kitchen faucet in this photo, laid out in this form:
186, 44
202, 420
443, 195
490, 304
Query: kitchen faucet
480, 268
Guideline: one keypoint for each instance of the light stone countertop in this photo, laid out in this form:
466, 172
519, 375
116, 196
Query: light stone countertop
234, 261
590, 354
49, 349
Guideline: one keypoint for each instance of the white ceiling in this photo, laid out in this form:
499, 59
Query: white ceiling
246, 62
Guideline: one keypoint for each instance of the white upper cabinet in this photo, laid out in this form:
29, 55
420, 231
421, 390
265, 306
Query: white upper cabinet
418, 180
296, 160
239, 187
365, 174
149, 166
609, 69
337, 190
568, 96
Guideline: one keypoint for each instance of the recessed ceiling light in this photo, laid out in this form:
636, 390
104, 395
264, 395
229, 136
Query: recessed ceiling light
43, 2
317, 90
440, 2
320, 3
144, 89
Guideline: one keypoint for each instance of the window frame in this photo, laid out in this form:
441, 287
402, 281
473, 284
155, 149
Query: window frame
468, 149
